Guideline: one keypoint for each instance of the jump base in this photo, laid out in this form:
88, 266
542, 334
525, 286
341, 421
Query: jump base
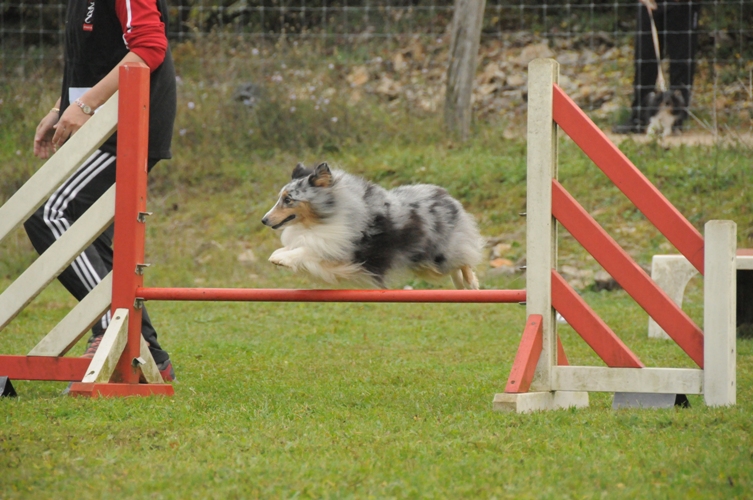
94, 390
527, 402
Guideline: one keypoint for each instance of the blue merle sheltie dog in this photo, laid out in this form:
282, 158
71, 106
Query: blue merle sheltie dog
339, 227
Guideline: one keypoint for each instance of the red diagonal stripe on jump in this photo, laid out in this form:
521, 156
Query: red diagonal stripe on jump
527, 357
627, 272
590, 326
621, 171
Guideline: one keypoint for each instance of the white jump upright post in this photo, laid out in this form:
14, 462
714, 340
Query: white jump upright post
719, 310
541, 227
541, 245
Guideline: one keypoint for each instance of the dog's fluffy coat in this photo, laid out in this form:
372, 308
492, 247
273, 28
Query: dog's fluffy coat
339, 227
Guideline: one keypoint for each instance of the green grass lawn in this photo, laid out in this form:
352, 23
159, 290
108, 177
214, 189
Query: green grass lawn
376, 400
366, 401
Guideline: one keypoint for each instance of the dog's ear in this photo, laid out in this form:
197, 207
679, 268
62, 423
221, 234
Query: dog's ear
322, 176
300, 170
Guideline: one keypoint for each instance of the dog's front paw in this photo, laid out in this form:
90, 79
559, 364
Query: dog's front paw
279, 259
277, 253
291, 258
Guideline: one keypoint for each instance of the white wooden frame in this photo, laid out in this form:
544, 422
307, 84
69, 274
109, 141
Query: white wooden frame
77, 322
541, 244
556, 386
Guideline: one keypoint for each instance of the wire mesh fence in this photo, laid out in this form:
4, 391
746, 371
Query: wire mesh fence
399, 48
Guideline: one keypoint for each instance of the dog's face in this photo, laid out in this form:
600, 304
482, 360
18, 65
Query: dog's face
306, 199
669, 100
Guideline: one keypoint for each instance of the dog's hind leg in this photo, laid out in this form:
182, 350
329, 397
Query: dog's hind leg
457, 278
469, 277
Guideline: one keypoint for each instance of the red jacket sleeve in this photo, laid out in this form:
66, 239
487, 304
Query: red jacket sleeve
143, 30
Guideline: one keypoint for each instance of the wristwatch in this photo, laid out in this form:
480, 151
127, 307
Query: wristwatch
84, 107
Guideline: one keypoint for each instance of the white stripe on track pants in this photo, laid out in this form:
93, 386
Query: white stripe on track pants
61, 210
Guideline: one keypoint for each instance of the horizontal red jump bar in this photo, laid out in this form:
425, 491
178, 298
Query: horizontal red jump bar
43, 368
292, 295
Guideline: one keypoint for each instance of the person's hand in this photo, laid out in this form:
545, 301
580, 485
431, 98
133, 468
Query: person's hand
71, 120
650, 4
43, 136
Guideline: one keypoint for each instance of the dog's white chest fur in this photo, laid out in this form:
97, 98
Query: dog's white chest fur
324, 252
661, 123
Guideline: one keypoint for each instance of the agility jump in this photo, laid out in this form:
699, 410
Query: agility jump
540, 365
540, 377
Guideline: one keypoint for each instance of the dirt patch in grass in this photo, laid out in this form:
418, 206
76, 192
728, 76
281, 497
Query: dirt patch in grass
691, 138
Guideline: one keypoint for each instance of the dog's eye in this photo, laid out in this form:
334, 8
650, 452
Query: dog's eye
287, 200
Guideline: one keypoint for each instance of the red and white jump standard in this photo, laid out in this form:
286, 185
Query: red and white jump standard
552, 381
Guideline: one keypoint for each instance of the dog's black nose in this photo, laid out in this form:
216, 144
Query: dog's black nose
264, 221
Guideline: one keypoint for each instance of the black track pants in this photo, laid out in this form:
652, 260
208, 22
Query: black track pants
676, 23
63, 208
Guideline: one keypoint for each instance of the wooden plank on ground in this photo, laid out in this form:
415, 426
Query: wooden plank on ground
527, 402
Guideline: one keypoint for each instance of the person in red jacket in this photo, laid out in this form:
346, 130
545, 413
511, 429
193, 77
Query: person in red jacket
100, 36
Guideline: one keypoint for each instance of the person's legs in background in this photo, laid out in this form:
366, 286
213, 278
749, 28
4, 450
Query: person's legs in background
645, 70
681, 42
59, 212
